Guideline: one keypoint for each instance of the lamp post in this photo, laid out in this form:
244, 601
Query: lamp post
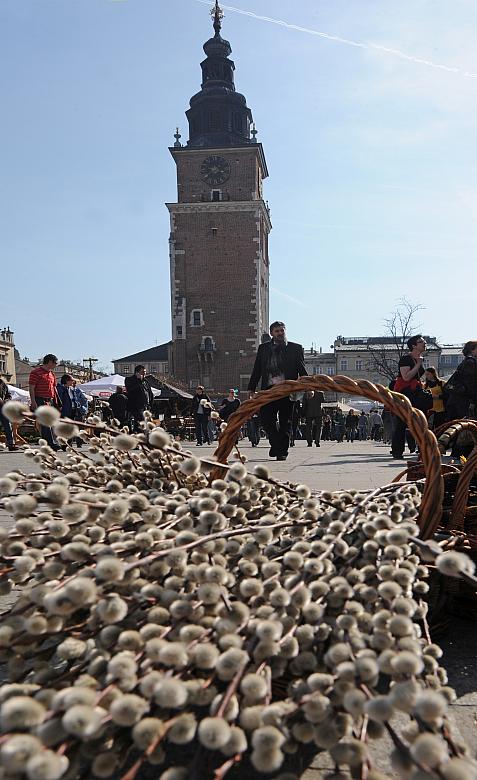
90, 361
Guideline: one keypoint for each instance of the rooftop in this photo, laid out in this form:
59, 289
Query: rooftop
357, 346
159, 353
388, 339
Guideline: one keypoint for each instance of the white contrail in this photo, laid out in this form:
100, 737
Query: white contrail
288, 297
347, 41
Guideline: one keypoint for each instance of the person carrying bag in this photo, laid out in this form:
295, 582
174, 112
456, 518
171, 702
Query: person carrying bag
408, 382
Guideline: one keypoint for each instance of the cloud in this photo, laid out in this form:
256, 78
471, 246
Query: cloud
289, 298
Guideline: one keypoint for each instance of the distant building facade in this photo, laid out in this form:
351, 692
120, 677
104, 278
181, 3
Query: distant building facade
319, 363
450, 357
78, 372
155, 360
7, 355
375, 358
24, 366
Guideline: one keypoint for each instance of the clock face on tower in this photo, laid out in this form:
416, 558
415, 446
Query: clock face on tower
215, 170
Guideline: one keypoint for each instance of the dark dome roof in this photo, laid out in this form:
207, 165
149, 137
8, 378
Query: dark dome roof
217, 47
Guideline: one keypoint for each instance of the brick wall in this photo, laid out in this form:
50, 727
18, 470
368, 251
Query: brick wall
219, 271
243, 184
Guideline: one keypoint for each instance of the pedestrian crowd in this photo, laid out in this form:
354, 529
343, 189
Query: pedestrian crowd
285, 419
278, 360
45, 390
127, 404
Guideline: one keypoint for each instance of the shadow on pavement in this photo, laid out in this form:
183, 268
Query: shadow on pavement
459, 646
384, 464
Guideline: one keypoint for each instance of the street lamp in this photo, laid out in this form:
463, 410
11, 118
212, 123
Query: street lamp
90, 361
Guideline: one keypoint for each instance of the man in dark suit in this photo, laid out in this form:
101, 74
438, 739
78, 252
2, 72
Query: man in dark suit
277, 360
139, 395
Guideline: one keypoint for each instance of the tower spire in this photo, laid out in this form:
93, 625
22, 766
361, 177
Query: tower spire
218, 114
217, 14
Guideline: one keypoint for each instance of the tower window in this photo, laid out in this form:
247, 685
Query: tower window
179, 330
216, 195
196, 319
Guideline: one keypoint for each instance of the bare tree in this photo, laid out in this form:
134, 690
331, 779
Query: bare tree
384, 355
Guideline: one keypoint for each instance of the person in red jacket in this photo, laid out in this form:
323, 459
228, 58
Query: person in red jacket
42, 386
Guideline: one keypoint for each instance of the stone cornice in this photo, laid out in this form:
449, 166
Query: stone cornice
217, 207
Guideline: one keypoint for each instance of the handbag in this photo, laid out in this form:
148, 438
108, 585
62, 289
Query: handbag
420, 399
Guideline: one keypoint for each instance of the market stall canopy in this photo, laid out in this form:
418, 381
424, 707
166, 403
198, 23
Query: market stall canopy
167, 390
18, 394
106, 386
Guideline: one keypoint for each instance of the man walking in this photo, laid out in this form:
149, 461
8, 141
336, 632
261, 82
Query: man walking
277, 360
375, 425
139, 396
42, 386
363, 426
351, 424
312, 412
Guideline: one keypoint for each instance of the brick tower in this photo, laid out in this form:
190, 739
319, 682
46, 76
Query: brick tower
219, 233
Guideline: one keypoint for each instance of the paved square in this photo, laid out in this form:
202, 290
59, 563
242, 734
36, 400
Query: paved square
363, 465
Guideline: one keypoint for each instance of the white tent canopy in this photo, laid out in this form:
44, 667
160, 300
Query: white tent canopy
106, 386
19, 395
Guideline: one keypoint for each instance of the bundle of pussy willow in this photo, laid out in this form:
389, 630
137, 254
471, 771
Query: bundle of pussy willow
173, 623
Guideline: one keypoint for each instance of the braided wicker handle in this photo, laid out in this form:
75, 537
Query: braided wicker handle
462, 491
433, 495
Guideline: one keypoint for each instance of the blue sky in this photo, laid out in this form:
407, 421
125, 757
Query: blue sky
372, 159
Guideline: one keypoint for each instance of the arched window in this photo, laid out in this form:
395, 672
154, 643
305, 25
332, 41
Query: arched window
208, 344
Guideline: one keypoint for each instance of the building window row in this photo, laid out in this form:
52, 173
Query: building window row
321, 370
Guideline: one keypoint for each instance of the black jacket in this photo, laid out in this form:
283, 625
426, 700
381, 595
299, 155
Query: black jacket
227, 408
5, 394
118, 403
312, 406
293, 364
196, 401
139, 393
460, 391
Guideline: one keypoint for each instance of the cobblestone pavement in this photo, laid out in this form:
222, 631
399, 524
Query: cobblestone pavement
333, 466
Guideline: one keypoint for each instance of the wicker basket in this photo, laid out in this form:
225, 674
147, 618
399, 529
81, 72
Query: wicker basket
399, 405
